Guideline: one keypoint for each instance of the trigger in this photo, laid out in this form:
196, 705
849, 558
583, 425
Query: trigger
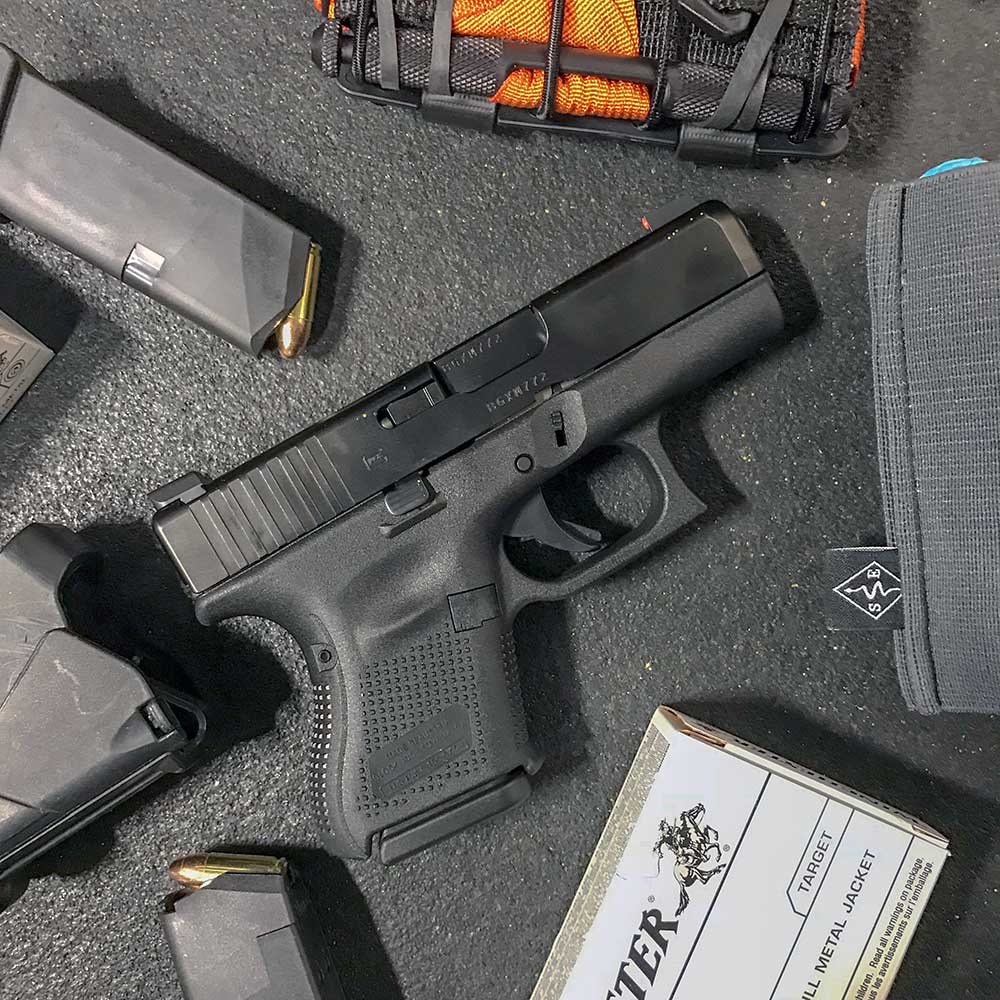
535, 520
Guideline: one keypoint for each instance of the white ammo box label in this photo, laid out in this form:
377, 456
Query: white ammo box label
738, 882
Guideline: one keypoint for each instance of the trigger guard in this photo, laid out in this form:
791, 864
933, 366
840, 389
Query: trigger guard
672, 506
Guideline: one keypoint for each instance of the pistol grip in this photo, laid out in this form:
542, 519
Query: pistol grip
423, 738
418, 723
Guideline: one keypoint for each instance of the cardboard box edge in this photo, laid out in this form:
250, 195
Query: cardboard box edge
672, 722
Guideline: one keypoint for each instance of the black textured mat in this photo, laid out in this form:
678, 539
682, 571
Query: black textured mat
430, 234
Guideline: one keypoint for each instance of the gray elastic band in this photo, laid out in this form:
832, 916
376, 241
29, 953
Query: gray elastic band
747, 120
934, 280
388, 50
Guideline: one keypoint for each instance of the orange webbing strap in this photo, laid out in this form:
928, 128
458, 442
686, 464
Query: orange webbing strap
577, 94
609, 26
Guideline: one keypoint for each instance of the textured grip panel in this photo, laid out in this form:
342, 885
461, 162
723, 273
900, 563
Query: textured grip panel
437, 720
510, 670
430, 689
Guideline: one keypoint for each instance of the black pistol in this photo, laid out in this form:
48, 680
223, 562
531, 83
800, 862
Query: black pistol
149, 219
377, 538
242, 929
81, 728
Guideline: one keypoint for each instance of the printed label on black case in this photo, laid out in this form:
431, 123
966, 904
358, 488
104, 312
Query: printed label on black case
865, 589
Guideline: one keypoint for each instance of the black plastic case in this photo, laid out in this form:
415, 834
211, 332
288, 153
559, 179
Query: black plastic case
80, 728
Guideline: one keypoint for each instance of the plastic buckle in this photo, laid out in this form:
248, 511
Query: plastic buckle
714, 145
726, 26
708, 145
460, 110
773, 147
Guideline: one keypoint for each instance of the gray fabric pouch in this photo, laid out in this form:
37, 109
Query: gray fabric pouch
934, 279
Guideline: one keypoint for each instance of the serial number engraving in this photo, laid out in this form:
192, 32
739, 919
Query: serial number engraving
528, 387
471, 352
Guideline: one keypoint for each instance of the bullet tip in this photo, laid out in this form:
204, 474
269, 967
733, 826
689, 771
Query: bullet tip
190, 871
292, 337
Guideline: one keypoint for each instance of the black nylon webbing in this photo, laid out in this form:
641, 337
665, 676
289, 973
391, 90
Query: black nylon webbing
751, 64
474, 62
439, 78
806, 85
694, 90
814, 93
664, 28
331, 49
